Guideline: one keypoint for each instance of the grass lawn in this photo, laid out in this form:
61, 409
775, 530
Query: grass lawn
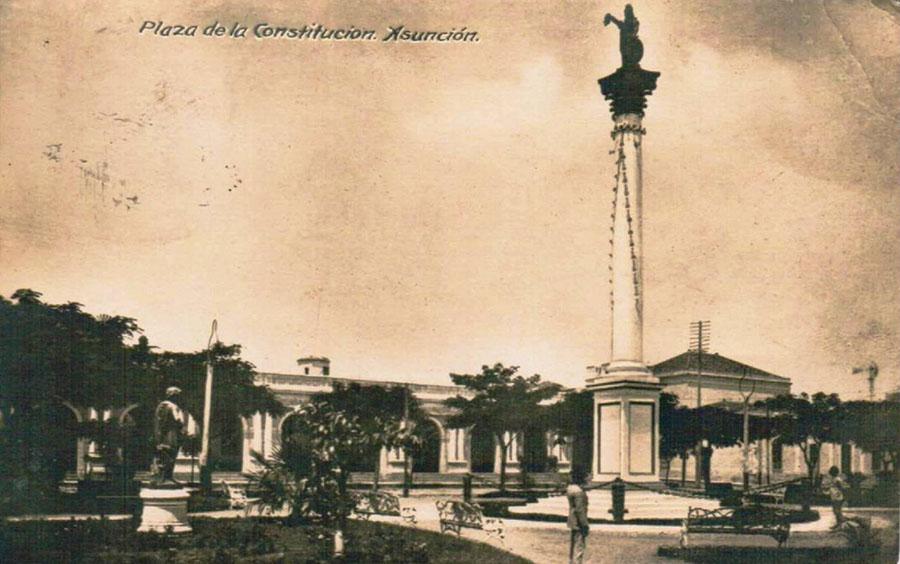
226, 541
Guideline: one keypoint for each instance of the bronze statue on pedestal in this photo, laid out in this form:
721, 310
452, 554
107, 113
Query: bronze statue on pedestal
167, 426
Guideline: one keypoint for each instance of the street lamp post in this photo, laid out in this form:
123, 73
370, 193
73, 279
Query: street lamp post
205, 472
406, 476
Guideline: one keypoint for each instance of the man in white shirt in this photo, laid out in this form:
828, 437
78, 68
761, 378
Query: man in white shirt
578, 516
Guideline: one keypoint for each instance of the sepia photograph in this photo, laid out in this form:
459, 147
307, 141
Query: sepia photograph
448, 282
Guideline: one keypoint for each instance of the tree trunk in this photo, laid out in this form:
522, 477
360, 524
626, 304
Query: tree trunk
407, 473
377, 470
668, 466
810, 471
343, 511
503, 448
683, 470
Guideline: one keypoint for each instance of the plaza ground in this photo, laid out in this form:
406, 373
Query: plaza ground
548, 543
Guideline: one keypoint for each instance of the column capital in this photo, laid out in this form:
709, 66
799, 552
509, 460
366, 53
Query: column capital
627, 89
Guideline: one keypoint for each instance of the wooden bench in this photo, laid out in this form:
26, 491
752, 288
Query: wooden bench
737, 521
455, 515
366, 504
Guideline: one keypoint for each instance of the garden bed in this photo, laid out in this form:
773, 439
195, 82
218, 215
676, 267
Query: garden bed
236, 540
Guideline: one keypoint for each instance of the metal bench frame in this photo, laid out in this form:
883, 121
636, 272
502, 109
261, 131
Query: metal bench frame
371, 503
456, 514
762, 521
777, 494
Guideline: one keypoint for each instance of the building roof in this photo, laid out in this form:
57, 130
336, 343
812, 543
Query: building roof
713, 363
277, 381
313, 359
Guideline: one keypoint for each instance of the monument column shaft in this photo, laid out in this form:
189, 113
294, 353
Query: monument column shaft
626, 295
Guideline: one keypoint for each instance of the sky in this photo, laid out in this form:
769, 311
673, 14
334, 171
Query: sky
415, 209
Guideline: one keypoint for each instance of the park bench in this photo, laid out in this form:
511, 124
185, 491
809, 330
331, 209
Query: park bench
774, 494
737, 521
238, 499
371, 503
455, 515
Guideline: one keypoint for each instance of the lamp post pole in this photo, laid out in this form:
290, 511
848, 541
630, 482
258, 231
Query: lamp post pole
207, 407
406, 476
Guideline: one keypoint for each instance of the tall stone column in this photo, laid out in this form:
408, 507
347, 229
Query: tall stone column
626, 394
626, 282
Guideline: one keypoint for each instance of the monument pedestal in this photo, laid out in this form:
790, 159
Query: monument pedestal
165, 510
626, 427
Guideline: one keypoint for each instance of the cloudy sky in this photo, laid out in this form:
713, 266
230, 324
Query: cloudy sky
411, 210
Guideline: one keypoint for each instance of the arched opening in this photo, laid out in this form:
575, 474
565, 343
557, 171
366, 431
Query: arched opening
137, 425
290, 427
226, 443
534, 455
427, 456
294, 450
482, 450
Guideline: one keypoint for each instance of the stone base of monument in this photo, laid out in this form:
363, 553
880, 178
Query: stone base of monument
165, 510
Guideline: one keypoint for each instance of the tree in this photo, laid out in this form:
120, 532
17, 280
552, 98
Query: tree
52, 357
310, 470
572, 418
677, 432
807, 422
873, 426
503, 402
380, 411
56, 355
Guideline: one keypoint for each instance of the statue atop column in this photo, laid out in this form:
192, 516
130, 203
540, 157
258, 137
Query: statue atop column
627, 88
167, 426
630, 45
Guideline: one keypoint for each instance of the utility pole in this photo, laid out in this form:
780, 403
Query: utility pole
699, 342
746, 398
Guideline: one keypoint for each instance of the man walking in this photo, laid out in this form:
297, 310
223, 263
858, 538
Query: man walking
578, 516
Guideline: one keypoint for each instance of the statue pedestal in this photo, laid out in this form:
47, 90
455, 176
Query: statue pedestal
165, 510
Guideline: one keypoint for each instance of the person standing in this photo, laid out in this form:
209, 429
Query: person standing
836, 486
578, 516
